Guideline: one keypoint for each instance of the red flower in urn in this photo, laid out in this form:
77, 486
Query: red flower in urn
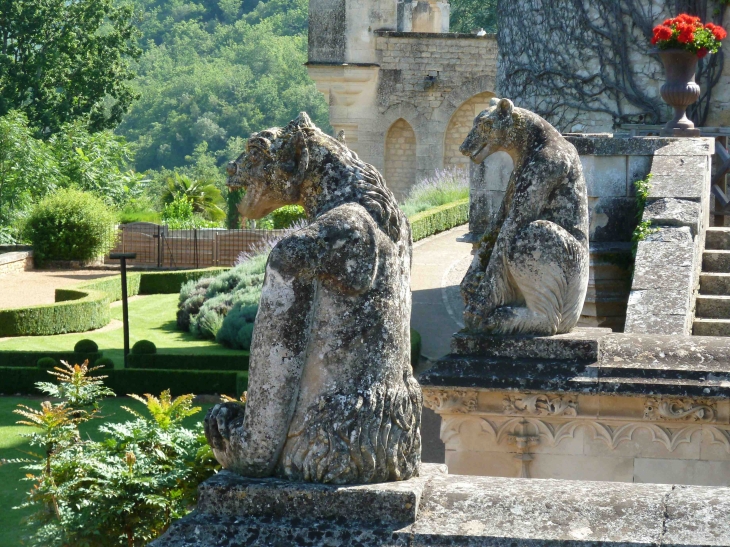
682, 42
688, 33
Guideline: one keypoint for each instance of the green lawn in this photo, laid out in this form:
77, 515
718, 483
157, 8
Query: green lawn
12, 445
150, 317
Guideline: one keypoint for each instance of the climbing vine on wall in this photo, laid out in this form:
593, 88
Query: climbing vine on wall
573, 60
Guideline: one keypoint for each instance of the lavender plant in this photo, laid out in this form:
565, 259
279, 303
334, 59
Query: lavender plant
444, 186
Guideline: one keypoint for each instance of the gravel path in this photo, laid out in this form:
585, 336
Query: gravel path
39, 286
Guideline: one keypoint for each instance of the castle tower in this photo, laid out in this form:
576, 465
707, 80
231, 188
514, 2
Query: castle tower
403, 88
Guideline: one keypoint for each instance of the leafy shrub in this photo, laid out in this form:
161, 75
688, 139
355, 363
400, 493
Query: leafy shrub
178, 381
286, 216
223, 307
86, 346
445, 186
70, 225
104, 362
180, 215
48, 362
144, 347
124, 490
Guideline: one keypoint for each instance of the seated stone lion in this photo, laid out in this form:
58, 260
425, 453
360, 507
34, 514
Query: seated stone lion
530, 272
331, 395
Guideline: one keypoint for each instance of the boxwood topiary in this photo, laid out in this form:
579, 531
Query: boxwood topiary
86, 346
47, 362
104, 362
144, 347
70, 225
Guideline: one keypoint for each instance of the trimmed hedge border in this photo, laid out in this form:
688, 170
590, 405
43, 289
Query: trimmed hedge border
439, 219
171, 361
21, 380
415, 348
85, 307
26, 359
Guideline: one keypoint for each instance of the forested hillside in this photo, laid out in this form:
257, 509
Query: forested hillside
213, 72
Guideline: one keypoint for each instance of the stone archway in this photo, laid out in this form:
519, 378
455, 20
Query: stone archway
459, 126
400, 158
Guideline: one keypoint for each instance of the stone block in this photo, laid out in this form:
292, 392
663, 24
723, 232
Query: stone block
679, 177
612, 219
581, 344
639, 323
674, 212
686, 147
665, 260
579, 467
392, 502
501, 512
605, 175
695, 514
638, 168
699, 473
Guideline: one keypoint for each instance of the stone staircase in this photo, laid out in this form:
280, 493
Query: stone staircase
712, 317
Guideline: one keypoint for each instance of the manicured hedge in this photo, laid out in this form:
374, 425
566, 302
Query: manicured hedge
85, 307
170, 282
438, 219
188, 362
30, 358
74, 311
179, 382
21, 380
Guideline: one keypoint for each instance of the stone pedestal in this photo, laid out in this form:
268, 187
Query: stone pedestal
589, 405
438, 509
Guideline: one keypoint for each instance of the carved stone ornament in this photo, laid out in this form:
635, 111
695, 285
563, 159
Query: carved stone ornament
449, 401
679, 410
530, 272
331, 394
540, 405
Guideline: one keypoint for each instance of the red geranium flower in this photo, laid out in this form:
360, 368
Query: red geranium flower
717, 31
661, 32
686, 33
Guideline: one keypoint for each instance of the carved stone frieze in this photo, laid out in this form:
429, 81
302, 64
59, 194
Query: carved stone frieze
551, 433
679, 410
448, 401
540, 405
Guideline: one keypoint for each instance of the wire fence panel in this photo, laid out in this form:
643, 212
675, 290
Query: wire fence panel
158, 247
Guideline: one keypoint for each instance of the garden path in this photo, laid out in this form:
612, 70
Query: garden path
439, 264
39, 286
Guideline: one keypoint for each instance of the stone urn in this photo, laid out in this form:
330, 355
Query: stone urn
680, 89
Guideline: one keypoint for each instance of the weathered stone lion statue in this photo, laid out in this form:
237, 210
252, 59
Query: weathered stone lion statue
331, 394
530, 272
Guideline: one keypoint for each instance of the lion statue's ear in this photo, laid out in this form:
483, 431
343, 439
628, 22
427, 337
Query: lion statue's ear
506, 107
303, 120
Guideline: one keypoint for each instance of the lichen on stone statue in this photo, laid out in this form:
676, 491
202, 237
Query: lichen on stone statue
331, 395
530, 272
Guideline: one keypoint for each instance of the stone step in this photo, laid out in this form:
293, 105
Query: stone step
717, 239
713, 307
711, 327
716, 261
715, 283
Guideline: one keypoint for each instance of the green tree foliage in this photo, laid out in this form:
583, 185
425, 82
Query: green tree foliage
470, 15
203, 196
28, 170
62, 60
212, 73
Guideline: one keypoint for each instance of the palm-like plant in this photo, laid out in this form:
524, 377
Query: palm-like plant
202, 194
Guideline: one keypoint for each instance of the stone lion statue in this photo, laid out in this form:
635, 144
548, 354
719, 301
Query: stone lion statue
530, 272
331, 395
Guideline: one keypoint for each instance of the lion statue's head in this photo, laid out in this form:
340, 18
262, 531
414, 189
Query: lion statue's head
498, 128
272, 168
